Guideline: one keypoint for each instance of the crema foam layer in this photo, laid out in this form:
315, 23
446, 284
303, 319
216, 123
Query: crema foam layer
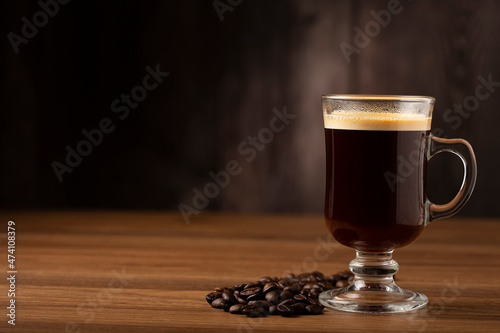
377, 121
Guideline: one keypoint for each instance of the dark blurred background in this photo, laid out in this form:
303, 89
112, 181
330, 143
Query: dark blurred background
230, 63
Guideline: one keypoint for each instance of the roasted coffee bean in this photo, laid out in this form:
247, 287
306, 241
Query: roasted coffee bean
245, 293
282, 284
285, 310
270, 286
316, 291
311, 279
313, 300
308, 286
241, 301
218, 303
236, 309
327, 285
298, 308
300, 298
272, 297
331, 278
294, 288
287, 301
210, 298
261, 303
288, 296
254, 297
285, 294
265, 279
239, 287
314, 309
229, 298
253, 285
341, 284
319, 276
253, 311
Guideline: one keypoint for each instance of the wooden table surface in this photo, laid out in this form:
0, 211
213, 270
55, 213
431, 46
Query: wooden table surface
150, 272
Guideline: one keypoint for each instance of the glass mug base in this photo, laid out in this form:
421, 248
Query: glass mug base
373, 289
369, 301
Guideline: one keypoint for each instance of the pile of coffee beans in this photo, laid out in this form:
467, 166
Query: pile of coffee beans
291, 295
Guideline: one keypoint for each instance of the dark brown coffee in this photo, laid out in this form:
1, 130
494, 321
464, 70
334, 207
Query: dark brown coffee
375, 182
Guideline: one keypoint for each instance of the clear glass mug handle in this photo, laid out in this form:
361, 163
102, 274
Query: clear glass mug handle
462, 149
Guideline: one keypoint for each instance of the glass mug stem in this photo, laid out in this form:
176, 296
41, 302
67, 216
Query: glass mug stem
462, 149
373, 288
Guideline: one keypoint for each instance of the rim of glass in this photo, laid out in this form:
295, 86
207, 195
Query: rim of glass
362, 97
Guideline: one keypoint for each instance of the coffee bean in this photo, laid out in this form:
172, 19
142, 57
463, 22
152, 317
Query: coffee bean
241, 301
285, 294
239, 287
327, 285
341, 284
254, 297
265, 279
313, 300
288, 296
253, 285
270, 286
282, 284
319, 276
315, 291
308, 286
272, 297
313, 309
229, 298
293, 288
250, 291
287, 301
260, 303
218, 303
304, 276
311, 279
285, 310
210, 298
236, 309
253, 311
298, 308
300, 298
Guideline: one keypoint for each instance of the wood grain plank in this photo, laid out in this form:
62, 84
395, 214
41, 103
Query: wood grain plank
68, 263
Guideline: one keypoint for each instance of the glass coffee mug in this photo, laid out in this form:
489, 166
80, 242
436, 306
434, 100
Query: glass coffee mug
377, 149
